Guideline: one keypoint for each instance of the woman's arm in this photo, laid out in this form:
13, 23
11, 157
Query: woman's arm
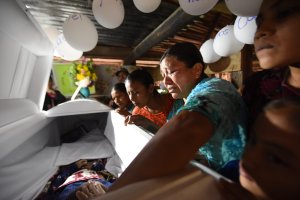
170, 150
142, 121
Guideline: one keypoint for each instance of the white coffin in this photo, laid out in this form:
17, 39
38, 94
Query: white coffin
30, 146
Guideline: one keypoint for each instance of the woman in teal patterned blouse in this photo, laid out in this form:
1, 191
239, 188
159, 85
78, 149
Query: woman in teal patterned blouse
211, 122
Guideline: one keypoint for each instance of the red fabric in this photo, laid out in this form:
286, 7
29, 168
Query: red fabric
158, 118
82, 175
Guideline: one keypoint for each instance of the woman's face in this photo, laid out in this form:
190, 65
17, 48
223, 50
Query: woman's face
122, 77
276, 40
120, 98
178, 78
270, 164
138, 93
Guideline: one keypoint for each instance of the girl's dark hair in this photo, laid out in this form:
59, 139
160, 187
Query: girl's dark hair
185, 52
119, 87
142, 76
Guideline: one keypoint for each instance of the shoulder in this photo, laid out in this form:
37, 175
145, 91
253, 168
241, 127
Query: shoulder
213, 87
257, 77
263, 80
166, 100
139, 111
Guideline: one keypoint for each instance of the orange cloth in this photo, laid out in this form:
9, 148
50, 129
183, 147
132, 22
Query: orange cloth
158, 118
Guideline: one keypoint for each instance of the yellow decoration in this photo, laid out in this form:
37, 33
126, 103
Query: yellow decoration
81, 71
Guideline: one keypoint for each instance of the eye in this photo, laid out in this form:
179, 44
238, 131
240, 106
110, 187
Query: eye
172, 73
275, 159
258, 21
283, 14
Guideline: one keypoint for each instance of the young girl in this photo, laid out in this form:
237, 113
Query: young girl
121, 99
151, 108
269, 168
277, 49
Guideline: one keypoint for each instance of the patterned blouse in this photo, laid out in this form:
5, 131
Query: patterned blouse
158, 118
220, 102
265, 86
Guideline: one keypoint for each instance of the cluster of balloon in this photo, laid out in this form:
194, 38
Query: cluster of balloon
61, 47
65, 51
244, 25
109, 13
196, 7
244, 8
225, 43
231, 39
80, 32
208, 53
244, 29
146, 6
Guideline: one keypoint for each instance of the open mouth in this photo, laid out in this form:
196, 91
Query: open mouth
171, 90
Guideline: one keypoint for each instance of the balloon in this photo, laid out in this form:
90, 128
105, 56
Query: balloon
80, 32
65, 51
208, 53
245, 8
225, 42
197, 7
52, 34
109, 13
146, 6
244, 29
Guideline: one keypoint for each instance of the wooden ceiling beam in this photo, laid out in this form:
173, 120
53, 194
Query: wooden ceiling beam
177, 20
108, 52
212, 27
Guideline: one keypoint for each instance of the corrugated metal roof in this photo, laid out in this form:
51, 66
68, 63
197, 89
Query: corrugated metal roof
141, 35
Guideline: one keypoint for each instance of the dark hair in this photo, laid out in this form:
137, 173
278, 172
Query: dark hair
119, 87
185, 52
142, 76
123, 70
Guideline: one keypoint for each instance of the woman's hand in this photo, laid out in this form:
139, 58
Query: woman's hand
90, 190
122, 111
142, 121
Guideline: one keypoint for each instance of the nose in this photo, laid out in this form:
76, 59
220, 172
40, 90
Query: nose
131, 97
264, 29
117, 101
167, 80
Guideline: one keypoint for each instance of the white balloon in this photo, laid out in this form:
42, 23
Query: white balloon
146, 6
109, 13
244, 29
208, 53
245, 8
225, 43
52, 33
80, 32
197, 7
65, 51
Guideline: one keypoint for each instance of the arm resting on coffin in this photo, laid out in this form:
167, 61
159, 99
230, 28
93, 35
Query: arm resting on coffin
170, 150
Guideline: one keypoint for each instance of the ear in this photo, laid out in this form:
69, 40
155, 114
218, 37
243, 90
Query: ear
197, 68
151, 88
